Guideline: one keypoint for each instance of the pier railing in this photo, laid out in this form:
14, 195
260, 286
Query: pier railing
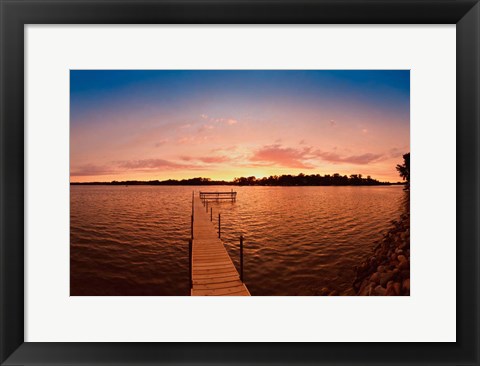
217, 196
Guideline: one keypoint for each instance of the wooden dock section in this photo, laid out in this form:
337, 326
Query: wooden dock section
217, 196
212, 270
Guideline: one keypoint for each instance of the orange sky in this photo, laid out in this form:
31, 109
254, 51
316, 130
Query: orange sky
148, 125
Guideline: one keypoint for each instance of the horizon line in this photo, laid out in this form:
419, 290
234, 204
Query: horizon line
210, 180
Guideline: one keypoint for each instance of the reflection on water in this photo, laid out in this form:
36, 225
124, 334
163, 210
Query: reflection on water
134, 240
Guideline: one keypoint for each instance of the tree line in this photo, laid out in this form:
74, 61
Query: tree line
274, 180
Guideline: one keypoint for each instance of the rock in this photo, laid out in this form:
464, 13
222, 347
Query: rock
360, 286
385, 271
397, 288
385, 277
404, 265
324, 291
379, 290
390, 290
364, 291
375, 278
371, 288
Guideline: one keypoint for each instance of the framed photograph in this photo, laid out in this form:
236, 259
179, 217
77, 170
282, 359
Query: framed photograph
239, 182
202, 176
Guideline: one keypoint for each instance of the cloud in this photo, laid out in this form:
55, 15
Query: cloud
144, 165
207, 159
283, 156
206, 127
224, 149
148, 164
227, 121
91, 169
185, 140
333, 123
161, 142
397, 152
302, 157
353, 159
213, 159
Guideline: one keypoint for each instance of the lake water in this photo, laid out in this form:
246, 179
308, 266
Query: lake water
134, 240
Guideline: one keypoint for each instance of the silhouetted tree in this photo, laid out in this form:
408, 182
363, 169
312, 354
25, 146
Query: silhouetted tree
275, 180
404, 169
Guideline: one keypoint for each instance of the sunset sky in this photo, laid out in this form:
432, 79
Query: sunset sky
147, 125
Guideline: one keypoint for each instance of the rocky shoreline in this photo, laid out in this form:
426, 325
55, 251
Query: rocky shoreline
387, 271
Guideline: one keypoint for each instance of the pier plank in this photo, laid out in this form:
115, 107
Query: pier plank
213, 272
213, 280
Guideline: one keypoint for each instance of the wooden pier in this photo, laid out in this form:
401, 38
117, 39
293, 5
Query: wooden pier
217, 196
212, 270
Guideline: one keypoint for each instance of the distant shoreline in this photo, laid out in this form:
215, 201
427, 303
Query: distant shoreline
229, 184
273, 180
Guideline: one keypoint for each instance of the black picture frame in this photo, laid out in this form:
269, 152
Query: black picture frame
15, 14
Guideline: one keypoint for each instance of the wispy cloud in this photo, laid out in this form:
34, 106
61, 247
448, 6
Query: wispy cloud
206, 127
397, 152
219, 120
91, 170
119, 167
161, 142
283, 156
151, 164
207, 159
225, 149
305, 157
352, 159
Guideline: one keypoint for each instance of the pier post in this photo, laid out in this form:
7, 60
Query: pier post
191, 227
211, 214
241, 258
218, 225
206, 207
190, 260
